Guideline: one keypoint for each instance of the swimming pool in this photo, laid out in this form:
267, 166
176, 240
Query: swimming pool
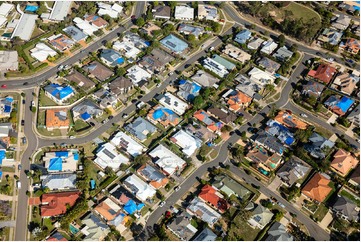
31, 8
263, 171
73, 230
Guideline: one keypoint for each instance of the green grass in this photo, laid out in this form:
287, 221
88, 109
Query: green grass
149, 141
8, 169
214, 154
350, 197
240, 230
45, 101
194, 223
48, 224
80, 124
300, 11
89, 148
320, 212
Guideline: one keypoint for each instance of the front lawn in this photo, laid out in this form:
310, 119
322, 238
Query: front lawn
320, 212
240, 230
45, 101
80, 125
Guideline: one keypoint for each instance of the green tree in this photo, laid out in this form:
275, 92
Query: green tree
191, 38
281, 40
198, 102
140, 22
205, 93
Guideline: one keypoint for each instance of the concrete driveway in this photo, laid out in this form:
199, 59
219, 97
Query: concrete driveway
326, 220
275, 184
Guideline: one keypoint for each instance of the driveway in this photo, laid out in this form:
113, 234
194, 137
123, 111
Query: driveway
275, 184
326, 220
332, 119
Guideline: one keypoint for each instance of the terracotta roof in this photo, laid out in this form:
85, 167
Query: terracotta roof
34, 201
211, 122
54, 204
238, 101
62, 42
106, 211
123, 198
208, 194
352, 45
96, 20
343, 162
55, 118
288, 120
323, 73
317, 188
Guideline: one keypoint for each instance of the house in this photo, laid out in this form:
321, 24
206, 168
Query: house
255, 43
278, 232
206, 235
212, 197
127, 48
132, 207
268, 47
161, 56
283, 54
151, 64
80, 80
76, 34
60, 10
6, 106
346, 82
287, 119
337, 105
211, 122
61, 42
138, 75
187, 142
260, 77
215, 67
222, 61
114, 11
260, 217
207, 12
174, 44
56, 237
181, 226
86, 109
110, 212
41, 52
351, 45
6, 8
269, 65
269, 142
164, 116
94, 229
108, 156
200, 132
140, 128
238, 100
98, 71
243, 36
123, 196
293, 170
136, 40
223, 115
312, 88
317, 188
343, 162
204, 79
355, 177
331, 36
188, 90
248, 87
156, 178
63, 181
167, 160
190, 29
184, 13
137, 186
354, 116
96, 21
9, 61
111, 58
161, 12
54, 204
260, 157
57, 119
342, 22
236, 53
202, 211
119, 86
317, 145
346, 209
126, 143
58, 93
172, 102
324, 73
6, 131
25, 27
105, 99
61, 161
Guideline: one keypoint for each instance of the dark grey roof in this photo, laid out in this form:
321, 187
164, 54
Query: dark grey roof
162, 11
313, 88
347, 208
182, 227
270, 65
206, 235
152, 174
278, 232
293, 170
118, 85
283, 53
269, 142
139, 127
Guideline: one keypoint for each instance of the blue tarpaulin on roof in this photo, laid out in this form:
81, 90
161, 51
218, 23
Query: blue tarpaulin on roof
131, 207
56, 164
85, 116
181, 82
147, 43
76, 156
1, 175
7, 109
61, 153
9, 99
345, 103
2, 156
120, 61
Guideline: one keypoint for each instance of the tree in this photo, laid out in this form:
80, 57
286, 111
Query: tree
198, 101
205, 93
281, 40
140, 22
109, 171
119, 71
191, 38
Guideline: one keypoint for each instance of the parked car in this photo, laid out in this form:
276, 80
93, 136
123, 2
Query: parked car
19, 167
23, 101
304, 115
3, 86
162, 204
71, 137
125, 115
281, 205
110, 117
177, 188
23, 122
255, 186
159, 84
24, 140
18, 184
25, 83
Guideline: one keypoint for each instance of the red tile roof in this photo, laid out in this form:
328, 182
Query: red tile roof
323, 73
208, 194
317, 188
54, 204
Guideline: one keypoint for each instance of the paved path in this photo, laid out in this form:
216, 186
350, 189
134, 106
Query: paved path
11, 223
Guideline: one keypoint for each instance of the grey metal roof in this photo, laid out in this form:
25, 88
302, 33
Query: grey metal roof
152, 174
293, 170
278, 232
75, 33
59, 181
347, 208
206, 235
139, 127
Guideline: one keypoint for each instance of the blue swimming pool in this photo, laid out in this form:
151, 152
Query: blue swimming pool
31, 8
73, 230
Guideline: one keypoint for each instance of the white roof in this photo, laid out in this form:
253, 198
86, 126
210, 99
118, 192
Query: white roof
42, 51
129, 50
144, 190
215, 67
187, 142
24, 28
85, 26
59, 181
5, 9
60, 10
184, 12
137, 74
167, 160
202, 210
269, 47
109, 156
8, 60
123, 140
3, 20
172, 102
113, 11
69, 163
260, 77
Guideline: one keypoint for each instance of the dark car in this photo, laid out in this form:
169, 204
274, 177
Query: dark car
25, 83
92, 124
255, 186
23, 122
252, 130
319, 53
23, 101
133, 17
111, 116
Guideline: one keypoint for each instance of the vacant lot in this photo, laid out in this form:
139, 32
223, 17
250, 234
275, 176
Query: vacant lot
240, 230
300, 11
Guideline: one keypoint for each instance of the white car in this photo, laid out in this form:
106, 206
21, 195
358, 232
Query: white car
71, 137
159, 84
330, 59
125, 115
304, 115
177, 189
32, 103
162, 204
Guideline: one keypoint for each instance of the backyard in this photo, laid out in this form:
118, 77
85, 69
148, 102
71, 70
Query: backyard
240, 230
45, 101
350, 197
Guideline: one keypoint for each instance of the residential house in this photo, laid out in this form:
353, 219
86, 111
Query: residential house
260, 217
132, 207
108, 156
238, 100
206, 235
151, 64
94, 229
343, 162
213, 198
278, 232
61, 42
136, 40
61, 161
202, 211
6, 106
57, 93
255, 43
181, 226
75, 33
110, 212
122, 196
167, 160
161, 12
207, 12
260, 157
63, 181
188, 90
184, 12
346, 82
317, 188
98, 71
200, 132
41, 52
222, 61
293, 170
331, 36
6, 132
9, 61
111, 58
317, 146
127, 49
190, 29
60, 10
126, 143
223, 115
57, 119
119, 86
86, 110
342, 22
243, 36
337, 105
236, 53
55, 204
156, 179
96, 21
268, 47
346, 209
323, 73
269, 65
56, 237
172, 102
283, 54
248, 87
355, 177
164, 116
287, 119
312, 88
114, 10
211, 122
260, 77
137, 186
80, 80
270, 142
25, 26
204, 79
351, 45
6, 8
138, 75
215, 67
354, 116
174, 44
105, 99
140, 128
187, 142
